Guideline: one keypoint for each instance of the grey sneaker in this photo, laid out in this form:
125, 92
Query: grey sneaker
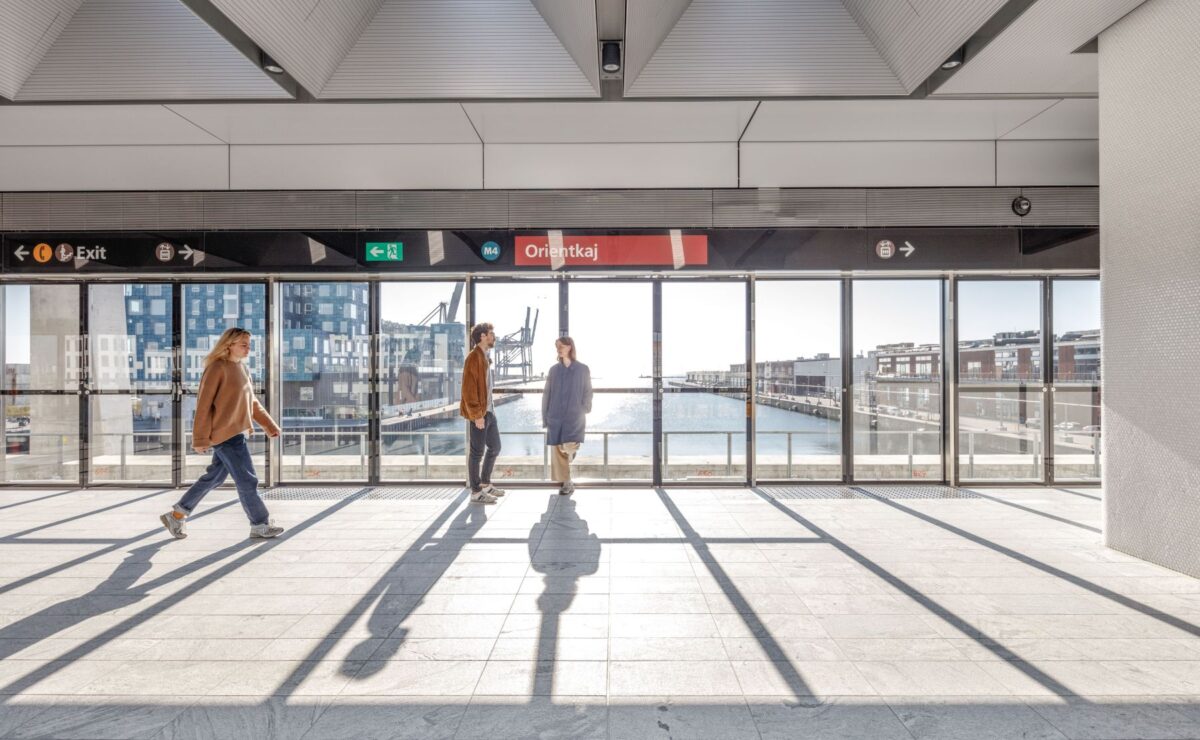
567, 489
265, 531
493, 491
176, 527
482, 497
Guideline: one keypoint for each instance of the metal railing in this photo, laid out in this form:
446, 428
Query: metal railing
151, 444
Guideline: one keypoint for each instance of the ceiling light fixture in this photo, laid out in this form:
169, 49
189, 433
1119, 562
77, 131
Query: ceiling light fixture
610, 56
269, 64
956, 59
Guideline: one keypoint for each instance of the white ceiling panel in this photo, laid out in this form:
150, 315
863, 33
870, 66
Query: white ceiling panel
458, 49
27, 30
78, 125
612, 122
889, 120
29, 168
574, 23
765, 48
916, 37
308, 37
333, 123
1073, 118
352, 167
854, 164
143, 50
522, 166
1033, 55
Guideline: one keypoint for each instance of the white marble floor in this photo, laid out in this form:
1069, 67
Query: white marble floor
612, 614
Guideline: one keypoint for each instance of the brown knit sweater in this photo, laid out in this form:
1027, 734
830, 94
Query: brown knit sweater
226, 404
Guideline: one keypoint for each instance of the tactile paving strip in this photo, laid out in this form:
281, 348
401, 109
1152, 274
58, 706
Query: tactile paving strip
917, 492
786, 493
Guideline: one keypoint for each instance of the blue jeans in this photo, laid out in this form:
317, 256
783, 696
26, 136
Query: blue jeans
231, 457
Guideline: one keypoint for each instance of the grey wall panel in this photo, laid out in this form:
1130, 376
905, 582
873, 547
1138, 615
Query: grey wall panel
499, 209
1063, 206
789, 207
103, 211
942, 207
432, 209
610, 208
1150, 283
331, 209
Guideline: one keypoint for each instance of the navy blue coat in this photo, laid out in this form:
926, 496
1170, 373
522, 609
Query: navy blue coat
567, 398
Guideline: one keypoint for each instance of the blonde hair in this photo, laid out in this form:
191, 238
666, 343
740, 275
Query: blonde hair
220, 350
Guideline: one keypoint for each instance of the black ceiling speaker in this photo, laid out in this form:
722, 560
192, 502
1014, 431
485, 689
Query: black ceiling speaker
610, 56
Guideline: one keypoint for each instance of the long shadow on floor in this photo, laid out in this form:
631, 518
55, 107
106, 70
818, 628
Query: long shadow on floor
957, 622
1132, 604
260, 547
564, 529
386, 622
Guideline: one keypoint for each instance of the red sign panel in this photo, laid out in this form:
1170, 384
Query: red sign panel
673, 250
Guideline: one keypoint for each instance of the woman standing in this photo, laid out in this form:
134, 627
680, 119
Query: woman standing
568, 397
225, 411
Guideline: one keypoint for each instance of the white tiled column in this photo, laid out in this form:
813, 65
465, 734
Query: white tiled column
1150, 278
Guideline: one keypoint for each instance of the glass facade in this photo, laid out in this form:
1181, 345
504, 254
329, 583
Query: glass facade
726, 379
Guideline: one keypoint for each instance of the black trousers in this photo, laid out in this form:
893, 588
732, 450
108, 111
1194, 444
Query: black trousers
489, 438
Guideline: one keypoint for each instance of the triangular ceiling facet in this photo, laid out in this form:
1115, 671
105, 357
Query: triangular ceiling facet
574, 23
144, 50
458, 49
647, 25
27, 30
764, 48
308, 37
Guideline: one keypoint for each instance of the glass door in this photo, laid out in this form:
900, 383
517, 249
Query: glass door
41, 359
612, 324
798, 380
1001, 419
525, 317
704, 349
897, 391
208, 310
131, 367
421, 348
325, 366
1075, 387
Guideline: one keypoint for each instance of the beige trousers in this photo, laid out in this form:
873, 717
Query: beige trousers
560, 461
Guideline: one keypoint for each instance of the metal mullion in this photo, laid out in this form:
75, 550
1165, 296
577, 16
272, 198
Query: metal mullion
656, 421
751, 384
469, 313
950, 377
177, 453
1047, 381
273, 379
847, 411
374, 448
85, 369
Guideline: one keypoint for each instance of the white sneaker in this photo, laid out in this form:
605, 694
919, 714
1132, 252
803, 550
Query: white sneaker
176, 527
265, 531
493, 491
482, 497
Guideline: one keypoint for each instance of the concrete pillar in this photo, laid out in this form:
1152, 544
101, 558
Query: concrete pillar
1150, 282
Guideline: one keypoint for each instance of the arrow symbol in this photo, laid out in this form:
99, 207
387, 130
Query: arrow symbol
908, 249
186, 252
376, 251
21, 252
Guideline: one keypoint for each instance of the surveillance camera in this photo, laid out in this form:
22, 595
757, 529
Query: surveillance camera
1021, 206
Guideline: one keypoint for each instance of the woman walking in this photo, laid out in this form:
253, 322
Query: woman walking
225, 411
566, 401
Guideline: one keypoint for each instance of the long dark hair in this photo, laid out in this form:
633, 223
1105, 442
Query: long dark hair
567, 342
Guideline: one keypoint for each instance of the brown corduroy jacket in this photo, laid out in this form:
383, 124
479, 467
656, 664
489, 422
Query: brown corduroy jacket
225, 406
474, 403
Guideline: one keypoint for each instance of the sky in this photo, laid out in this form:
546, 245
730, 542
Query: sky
704, 322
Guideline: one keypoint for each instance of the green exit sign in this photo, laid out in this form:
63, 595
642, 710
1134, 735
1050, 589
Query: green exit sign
385, 251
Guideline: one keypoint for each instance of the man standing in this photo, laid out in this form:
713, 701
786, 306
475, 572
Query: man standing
479, 411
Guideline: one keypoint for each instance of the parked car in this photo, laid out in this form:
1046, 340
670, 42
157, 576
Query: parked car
1033, 423
1092, 428
1066, 426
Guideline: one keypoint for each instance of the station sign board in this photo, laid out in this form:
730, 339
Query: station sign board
41, 253
556, 249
